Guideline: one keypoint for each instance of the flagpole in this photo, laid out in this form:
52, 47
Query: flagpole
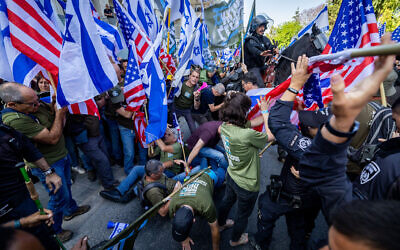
151, 149
169, 25
383, 95
52, 81
381, 50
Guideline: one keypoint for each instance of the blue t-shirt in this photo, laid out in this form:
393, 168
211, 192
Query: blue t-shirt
206, 98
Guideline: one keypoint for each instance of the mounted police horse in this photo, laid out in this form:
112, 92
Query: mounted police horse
309, 44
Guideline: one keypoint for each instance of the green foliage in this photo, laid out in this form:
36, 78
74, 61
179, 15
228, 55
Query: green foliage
284, 32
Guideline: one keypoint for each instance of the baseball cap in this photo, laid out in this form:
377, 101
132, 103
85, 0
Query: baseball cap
116, 94
314, 118
182, 223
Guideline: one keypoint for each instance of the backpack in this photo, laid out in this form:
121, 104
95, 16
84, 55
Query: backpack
381, 126
142, 190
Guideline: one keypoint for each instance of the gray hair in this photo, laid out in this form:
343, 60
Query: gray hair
174, 132
152, 167
11, 92
220, 88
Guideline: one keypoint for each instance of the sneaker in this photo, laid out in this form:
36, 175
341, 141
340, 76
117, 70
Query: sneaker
65, 235
78, 169
81, 210
91, 175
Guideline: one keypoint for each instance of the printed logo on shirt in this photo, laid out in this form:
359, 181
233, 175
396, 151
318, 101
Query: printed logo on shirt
187, 94
169, 155
226, 144
369, 172
191, 189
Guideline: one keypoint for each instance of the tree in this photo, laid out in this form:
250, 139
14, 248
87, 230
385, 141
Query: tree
283, 33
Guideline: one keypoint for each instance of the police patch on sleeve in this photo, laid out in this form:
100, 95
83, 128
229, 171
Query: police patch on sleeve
304, 143
369, 172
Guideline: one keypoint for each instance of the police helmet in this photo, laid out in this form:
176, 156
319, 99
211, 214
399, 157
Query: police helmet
258, 21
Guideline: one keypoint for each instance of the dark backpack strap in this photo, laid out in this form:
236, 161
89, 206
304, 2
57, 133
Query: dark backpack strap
9, 110
153, 185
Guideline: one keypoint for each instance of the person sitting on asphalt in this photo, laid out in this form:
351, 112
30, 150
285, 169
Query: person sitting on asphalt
207, 103
169, 150
196, 199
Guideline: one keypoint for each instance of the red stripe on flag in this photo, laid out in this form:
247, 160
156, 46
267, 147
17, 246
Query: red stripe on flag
133, 91
53, 69
92, 108
30, 31
23, 4
75, 108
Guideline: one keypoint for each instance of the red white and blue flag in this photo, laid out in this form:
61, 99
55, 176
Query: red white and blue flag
355, 27
33, 33
88, 107
396, 35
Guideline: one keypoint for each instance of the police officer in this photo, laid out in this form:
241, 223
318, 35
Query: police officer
15, 201
287, 194
257, 47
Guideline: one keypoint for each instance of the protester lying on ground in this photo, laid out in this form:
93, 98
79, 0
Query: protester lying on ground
43, 124
365, 225
322, 166
169, 150
196, 199
243, 178
287, 195
207, 103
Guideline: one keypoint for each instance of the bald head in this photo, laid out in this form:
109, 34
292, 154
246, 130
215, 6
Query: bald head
14, 92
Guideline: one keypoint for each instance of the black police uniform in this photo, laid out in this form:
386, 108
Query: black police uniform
15, 201
291, 199
380, 179
253, 46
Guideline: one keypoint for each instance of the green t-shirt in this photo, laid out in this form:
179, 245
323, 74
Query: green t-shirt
155, 195
204, 78
241, 146
186, 99
177, 155
198, 195
30, 127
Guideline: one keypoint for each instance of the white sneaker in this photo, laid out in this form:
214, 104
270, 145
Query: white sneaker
78, 169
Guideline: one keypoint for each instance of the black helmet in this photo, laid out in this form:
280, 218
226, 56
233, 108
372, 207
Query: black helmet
258, 21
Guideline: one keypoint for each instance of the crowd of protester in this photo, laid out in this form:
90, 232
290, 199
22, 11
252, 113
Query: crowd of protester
316, 174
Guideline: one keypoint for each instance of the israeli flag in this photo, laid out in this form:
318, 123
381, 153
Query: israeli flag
184, 67
142, 13
48, 10
321, 22
85, 69
177, 9
111, 38
198, 48
15, 66
189, 22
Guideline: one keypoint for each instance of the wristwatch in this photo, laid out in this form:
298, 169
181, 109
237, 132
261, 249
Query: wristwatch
294, 91
48, 172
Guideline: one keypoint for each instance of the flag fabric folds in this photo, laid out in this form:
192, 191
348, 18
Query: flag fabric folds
88, 107
16, 66
133, 88
33, 34
396, 35
84, 64
382, 29
142, 13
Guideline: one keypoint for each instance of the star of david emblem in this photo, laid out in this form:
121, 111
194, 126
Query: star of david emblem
149, 22
187, 20
68, 36
196, 51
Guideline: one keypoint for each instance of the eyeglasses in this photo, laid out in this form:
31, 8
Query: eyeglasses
34, 104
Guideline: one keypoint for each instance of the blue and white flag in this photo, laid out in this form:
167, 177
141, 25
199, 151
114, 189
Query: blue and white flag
321, 21
15, 66
189, 22
184, 67
198, 48
142, 13
227, 55
85, 69
177, 9
154, 82
48, 10
382, 29
396, 35
111, 38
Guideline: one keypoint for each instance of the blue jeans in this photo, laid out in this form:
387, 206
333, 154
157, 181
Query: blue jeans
70, 145
128, 145
113, 131
216, 157
95, 150
61, 203
136, 173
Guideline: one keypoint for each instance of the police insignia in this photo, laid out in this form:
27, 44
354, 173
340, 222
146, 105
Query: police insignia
304, 143
369, 172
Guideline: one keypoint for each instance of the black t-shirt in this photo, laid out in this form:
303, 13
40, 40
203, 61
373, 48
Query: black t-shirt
108, 12
207, 132
123, 121
14, 147
206, 98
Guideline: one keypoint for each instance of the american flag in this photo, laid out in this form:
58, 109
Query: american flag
132, 31
382, 29
168, 61
396, 35
88, 107
33, 33
355, 27
237, 51
140, 127
133, 89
